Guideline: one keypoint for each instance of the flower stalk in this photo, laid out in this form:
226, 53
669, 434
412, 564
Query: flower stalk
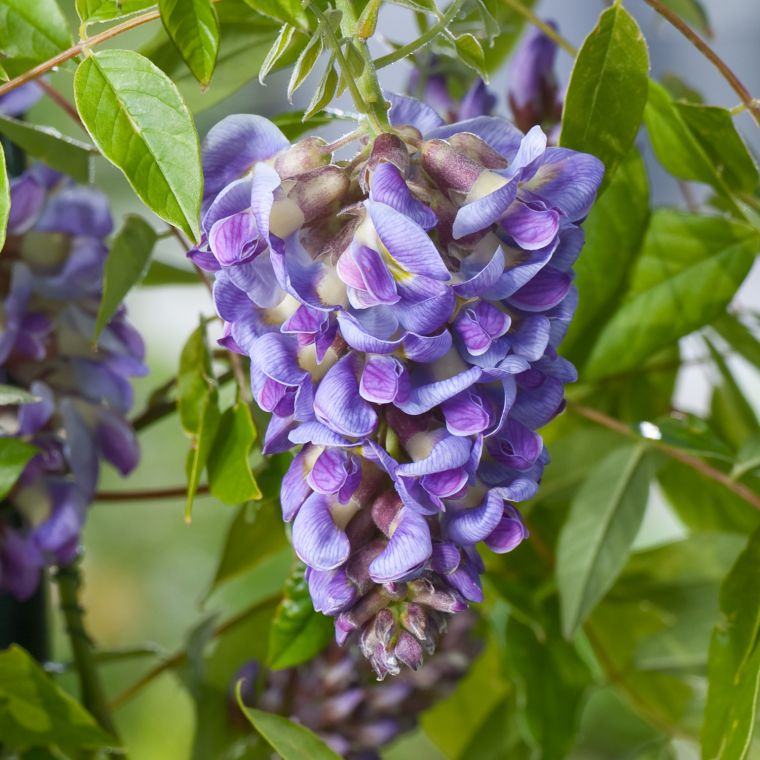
93, 696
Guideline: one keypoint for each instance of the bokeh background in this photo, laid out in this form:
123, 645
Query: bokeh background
147, 571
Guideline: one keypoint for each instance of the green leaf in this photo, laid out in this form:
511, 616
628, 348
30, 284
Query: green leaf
9, 394
160, 273
325, 92
614, 231
691, 11
675, 145
714, 130
197, 457
291, 741
739, 337
127, 262
245, 38
229, 468
510, 24
298, 632
105, 10
50, 146
293, 125
304, 64
35, 712
255, 534
616, 631
14, 455
731, 414
145, 130
279, 48
734, 664
608, 90
680, 580
471, 53
193, 27
688, 272
605, 516
288, 11
748, 457
454, 722
5, 198
704, 505
194, 379
553, 680
31, 31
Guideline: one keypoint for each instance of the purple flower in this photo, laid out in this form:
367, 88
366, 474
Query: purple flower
434, 90
20, 100
533, 92
402, 326
334, 694
50, 304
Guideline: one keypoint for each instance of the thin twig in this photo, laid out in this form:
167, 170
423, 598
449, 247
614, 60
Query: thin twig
186, 246
425, 38
752, 105
696, 464
148, 494
549, 31
180, 657
79, 48
60, 101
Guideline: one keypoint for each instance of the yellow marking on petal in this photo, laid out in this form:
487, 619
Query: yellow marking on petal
276, 315
285, 218
449, 365
488, 182
331, 289
307, 359
343, 513
420, 445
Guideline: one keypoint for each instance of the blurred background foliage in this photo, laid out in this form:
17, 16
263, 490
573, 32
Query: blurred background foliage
594, 648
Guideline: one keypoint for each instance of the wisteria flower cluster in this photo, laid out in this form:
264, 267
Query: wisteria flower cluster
402, 312
335, 696
51, 272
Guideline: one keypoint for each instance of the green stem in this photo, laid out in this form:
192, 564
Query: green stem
425, 38
551, 33
752, 105
180, 657
368, 83
91, 689
332, 42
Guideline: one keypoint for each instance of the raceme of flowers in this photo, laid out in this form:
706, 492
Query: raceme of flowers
402, 312
335, 696
51, 272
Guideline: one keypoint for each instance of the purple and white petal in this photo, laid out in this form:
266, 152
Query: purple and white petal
317, 540
408, 549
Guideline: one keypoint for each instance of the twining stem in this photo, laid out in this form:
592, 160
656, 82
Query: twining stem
90, 686
696, 464
425, 38
548, 30
752, 105
180, 657
148, 494
333, 43
80, 47
368, 83
60, 101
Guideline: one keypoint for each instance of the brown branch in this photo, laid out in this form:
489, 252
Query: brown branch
79, 48
696, 464
550, 32
148, 494
752, 105
60, 101
180, 657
